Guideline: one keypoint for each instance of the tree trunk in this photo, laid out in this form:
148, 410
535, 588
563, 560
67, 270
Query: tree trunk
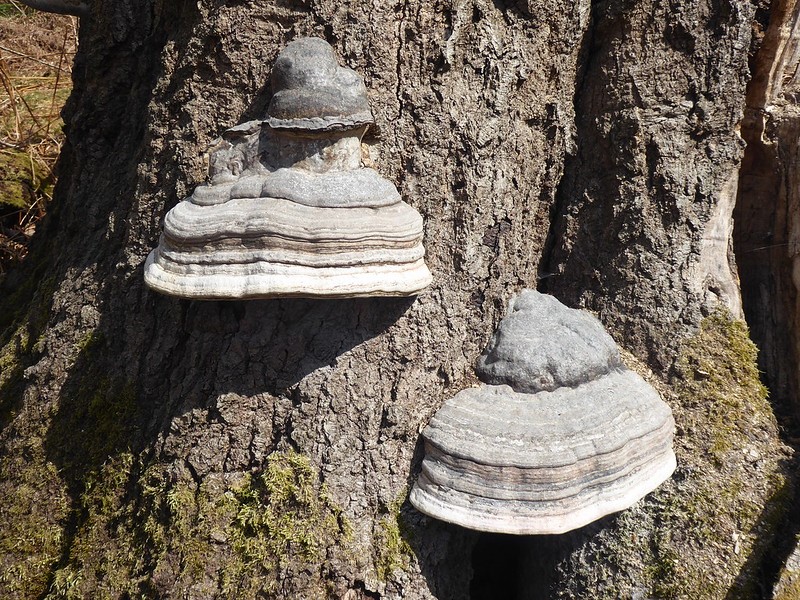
157, 447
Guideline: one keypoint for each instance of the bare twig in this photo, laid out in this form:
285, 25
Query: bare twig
61, 7
58, 75
18, 7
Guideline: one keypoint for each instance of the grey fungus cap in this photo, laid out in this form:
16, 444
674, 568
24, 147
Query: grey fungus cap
541, 346
312, 92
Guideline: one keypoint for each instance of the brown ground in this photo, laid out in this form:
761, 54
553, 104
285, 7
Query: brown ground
36, 52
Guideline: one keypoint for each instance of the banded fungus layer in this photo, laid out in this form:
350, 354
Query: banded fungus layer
560, 433
290, 211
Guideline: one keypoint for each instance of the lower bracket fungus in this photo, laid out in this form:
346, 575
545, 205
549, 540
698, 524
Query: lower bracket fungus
290, 211
559, 435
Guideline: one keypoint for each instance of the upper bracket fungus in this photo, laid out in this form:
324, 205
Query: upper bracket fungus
559, 435
289, 210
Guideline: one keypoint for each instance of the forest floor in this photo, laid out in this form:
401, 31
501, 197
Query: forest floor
36, 55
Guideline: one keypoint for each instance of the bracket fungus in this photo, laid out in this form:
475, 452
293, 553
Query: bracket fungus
290, 211
560, 433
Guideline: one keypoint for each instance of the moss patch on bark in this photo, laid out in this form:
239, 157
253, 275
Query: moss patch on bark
392, 548
33, 511
732, 490
705, 533
234, 535
282, 515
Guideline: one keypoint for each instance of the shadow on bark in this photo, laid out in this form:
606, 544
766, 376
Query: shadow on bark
775, 538
111, 411
513, 567
443, 553
443, 550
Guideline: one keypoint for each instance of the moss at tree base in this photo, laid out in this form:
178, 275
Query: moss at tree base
704, 534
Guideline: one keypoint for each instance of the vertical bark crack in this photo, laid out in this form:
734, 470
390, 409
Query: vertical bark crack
547, 266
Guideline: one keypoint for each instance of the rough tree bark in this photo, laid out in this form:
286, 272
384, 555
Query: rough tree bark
156, 447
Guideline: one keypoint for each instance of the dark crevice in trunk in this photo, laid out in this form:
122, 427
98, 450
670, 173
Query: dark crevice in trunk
523, 567
762, 243
547, 268
496, 567
761, 240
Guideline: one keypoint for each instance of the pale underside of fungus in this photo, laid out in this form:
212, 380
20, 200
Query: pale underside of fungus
290, 211
561, 434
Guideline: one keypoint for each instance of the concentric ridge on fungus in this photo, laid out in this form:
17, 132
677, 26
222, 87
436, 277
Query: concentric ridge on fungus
559, 435
289, 210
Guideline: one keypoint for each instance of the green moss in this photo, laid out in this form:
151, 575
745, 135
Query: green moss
101, 555
11, 368
105, 412
724, 512
91, 439
393, 551
90, 340
65, 585
704, 534
34, 505
102, 487
19, 180
719, 374
764, 527
64, 489
26, 312
253, 529
671, 576
31, 536
283, 516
